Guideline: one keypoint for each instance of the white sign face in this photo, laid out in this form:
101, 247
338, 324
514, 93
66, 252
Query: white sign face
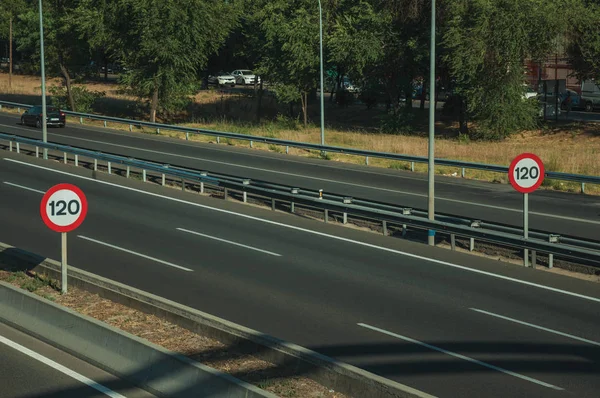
526, 173
63, 208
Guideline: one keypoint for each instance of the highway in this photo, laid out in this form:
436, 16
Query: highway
32, 368
555, 212
447, 323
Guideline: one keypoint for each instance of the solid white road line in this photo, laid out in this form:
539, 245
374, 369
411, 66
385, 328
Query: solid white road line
531, 325
228, 241
339, 238
581, 220
22, 187
60, 368
134, 253
460, 356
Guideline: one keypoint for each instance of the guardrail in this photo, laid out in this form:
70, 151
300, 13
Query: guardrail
386, 214
463, 165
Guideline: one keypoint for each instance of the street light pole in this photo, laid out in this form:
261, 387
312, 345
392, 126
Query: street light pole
321, 62
431, 165
44, 127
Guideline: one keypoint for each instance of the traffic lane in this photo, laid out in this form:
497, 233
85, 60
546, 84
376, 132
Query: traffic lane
354, 180
60, 375
344, 270
307, 308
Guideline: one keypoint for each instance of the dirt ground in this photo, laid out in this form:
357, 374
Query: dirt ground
208, 351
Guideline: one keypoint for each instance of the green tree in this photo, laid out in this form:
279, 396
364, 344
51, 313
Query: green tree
65, 54
8, 13
487, 43
584, 45
165, 44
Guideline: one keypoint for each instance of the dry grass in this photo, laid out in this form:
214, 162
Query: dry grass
172, 337
569, 148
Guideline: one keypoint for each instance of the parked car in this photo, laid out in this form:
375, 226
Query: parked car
34, 116
575, 99
590, 95
529, 92
245, 76
349, 86
222, 79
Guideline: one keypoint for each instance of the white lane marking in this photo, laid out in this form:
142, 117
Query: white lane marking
60, 368
228, 241
531, 325
22, 187
134, 253
460, 356
339, 238
335, 181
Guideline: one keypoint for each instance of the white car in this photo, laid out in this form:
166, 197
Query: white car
222, 79
245, 76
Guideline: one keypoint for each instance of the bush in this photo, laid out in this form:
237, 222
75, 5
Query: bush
401, 122
84, 99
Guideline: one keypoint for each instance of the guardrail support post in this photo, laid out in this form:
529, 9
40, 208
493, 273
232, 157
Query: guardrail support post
105, 123
251, 144
453, 242
203, 174
65, 157
471, 244
550, 260
18, 148
130, 128
583, 187
163, 180
37, 151
183, 185
80, 120
144, 175
385, 231
367, 160
157, 131
273, 204
95, 164
10, 146
127, 172
218, 140
18, 110
326, 216
287, 150
109, 168
345, 218
76, 160
533, 259
187, 136
403, 230
412, 166
245, 196
462, 173
225, 193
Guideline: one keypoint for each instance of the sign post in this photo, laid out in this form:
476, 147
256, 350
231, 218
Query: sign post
526, 174
63, 209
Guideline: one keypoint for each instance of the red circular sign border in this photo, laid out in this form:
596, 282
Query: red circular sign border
44, 203
511, 172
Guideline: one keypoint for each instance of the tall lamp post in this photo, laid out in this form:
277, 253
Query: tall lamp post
44, 126
321, 67
431, 165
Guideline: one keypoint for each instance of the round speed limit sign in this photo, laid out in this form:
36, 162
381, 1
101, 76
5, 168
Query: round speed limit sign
63, 207
526, 173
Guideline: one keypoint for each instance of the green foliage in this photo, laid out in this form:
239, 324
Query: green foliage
84, 98
584, 46
401, 122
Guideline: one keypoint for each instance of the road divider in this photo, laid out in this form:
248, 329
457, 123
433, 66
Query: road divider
290, 357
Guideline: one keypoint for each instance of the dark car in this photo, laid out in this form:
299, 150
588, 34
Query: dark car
33, 117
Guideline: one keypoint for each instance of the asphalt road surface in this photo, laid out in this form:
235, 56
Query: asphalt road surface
32, 368
553, 212
447, 323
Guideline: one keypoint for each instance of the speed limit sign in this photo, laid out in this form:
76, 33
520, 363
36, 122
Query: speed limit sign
526, 173
63, 208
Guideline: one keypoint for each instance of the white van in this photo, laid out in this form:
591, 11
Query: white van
590, 95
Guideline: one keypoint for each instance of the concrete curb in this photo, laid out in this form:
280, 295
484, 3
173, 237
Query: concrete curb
295, 359
147, 365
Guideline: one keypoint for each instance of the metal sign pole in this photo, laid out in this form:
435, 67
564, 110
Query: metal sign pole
526, 227
63, 262
43, 72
